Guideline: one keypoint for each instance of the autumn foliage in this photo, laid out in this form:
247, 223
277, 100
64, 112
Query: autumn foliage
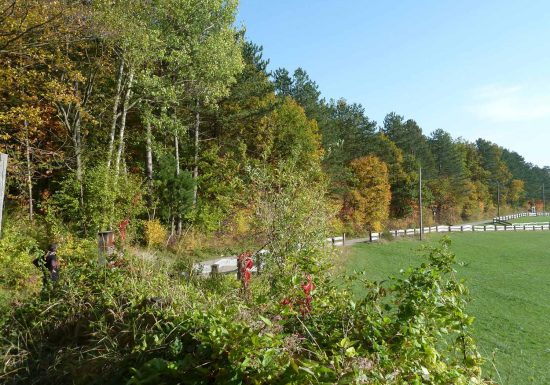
368, 201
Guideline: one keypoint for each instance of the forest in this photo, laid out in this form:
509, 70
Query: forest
111, 111
161, 121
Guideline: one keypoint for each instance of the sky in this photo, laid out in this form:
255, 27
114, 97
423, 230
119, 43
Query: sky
477, 69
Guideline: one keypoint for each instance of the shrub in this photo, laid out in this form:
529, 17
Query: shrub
134, 324
155, 233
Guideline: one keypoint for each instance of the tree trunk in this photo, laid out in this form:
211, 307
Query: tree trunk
29, 170
149, 160
123, 116
115, 113
196, 166
177, 146
77, 141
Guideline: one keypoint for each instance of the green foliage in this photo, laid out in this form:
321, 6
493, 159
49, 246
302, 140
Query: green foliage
133, 324
291, 220
105, 205
19, 248
367, 205
175, 192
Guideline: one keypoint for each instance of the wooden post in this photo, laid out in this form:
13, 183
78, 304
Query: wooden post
449, 229
343, 239
461, 228
214, 272
484, 227
3, 167
370, 236
239, 266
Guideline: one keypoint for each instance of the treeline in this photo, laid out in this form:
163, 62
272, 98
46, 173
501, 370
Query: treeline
162, 110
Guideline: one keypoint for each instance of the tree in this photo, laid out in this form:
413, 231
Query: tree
295, 138
175, 191
345, 132
403, 174
516, 192
491, 160
408, 136
368, 202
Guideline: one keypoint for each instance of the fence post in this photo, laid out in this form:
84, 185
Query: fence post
343, 239
395, 233
523, 227
370, 236
484, 227
461, 228
449, 229
239, 265
214, 270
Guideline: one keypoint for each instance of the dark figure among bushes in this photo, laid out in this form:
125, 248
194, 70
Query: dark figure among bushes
50, 262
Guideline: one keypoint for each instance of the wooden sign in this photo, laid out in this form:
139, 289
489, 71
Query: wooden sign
3, 167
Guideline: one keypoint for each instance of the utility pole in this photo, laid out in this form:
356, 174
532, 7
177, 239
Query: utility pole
543, 201
498, 199
420, 203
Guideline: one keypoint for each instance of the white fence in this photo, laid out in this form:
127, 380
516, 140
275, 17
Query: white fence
373, 237
337, 241
507, 218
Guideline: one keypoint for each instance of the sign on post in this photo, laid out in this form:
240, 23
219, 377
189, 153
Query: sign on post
3, 168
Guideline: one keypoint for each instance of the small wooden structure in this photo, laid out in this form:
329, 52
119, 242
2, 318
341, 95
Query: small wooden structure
105, 245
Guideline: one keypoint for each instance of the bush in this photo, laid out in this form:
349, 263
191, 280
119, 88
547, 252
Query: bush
136, 325
155, 233
18, 249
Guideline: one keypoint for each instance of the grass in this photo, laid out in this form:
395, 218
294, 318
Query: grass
509, 279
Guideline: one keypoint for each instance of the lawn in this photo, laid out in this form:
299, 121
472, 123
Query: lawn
509, 279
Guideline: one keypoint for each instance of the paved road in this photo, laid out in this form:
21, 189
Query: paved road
229, 264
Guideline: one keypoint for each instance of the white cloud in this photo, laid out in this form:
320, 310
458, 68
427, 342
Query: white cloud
498, 103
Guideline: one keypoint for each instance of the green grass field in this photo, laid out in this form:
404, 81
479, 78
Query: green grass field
508, 275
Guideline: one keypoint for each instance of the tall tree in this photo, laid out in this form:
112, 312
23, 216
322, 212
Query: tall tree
368, 202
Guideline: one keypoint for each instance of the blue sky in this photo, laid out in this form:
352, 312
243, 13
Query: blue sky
473, 68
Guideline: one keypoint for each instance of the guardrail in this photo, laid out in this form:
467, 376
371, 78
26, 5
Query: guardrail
338, 241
